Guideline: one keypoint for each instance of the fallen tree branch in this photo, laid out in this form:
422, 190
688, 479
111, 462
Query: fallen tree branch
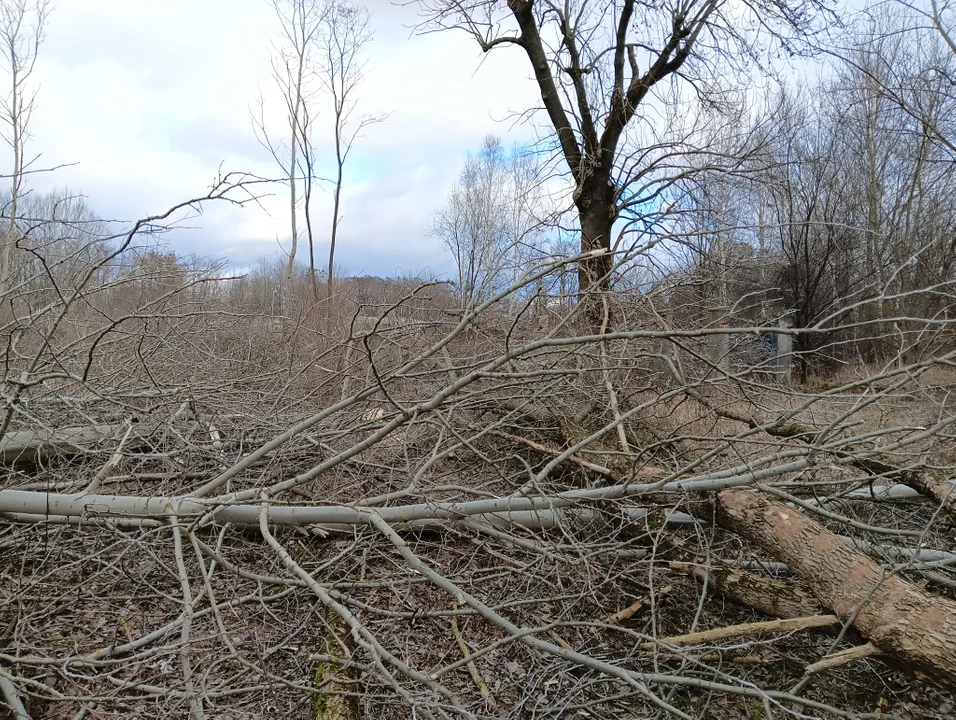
842, 658
548, 450
12, 698
707, 637
226, 509
30, 445
472, 667
629, 611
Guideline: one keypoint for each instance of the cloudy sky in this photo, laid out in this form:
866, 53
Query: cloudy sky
148, 98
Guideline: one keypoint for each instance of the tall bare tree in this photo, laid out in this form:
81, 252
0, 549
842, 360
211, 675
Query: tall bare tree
320, 55
22, 26
347, 32
600, 67
294, 72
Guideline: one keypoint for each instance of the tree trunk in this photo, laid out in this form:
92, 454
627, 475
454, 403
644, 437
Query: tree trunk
32, 446
596, 212
903, 621
336, 206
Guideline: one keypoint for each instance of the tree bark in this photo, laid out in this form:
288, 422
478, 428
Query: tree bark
903, 621
769, 596
596, 212
594, 274
934, 487
29, 445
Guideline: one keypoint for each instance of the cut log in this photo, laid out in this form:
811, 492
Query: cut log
31, 445
769, 596
904, 622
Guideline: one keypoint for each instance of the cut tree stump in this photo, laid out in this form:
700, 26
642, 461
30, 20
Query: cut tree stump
904, 622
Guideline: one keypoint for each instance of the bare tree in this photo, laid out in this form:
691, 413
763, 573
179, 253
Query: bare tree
346, 33
321, 54
294, 72
22, 26
490, 221
597, 67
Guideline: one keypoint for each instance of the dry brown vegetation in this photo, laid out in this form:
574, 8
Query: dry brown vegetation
702, 469
403, 510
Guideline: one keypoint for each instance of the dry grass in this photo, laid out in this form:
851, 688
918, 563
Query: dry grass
70, 591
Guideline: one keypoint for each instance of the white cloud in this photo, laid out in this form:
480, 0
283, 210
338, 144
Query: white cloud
150, 98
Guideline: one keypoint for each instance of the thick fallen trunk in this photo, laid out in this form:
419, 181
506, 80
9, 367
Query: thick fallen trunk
906, 623
31, 445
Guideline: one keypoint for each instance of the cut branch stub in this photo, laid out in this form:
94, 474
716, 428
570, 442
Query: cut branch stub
914, 627
935, 487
